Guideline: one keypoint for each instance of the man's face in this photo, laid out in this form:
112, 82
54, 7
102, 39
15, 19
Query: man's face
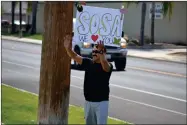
95, 54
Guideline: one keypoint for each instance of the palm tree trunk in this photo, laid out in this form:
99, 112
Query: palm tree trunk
28, 12
28, 18
34, 12
142, 23
153, 23
55, 64
20, 18
13, 13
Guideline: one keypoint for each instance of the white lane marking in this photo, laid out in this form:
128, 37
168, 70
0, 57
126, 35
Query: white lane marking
150, 93
140, 103
123, 87
132, 101
157, 71
20, 73
148, 105
27, 66
37, 95
142, 91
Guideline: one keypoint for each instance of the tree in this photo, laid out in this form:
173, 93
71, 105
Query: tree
167, 6
31, 7
143, 13
13, 13
153, 22
29, 10
55, 70
2, 10
144, 7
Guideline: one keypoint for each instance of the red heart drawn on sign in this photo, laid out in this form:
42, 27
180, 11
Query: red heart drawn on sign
94, 37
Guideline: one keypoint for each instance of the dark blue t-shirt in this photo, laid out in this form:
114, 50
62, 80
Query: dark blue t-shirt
96, 81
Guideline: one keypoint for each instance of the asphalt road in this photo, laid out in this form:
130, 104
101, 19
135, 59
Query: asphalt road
148, 92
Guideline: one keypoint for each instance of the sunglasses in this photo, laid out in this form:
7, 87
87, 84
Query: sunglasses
96, 51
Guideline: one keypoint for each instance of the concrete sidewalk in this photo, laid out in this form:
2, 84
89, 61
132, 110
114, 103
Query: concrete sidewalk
173, 55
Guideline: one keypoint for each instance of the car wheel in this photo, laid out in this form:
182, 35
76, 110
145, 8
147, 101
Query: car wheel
120, 64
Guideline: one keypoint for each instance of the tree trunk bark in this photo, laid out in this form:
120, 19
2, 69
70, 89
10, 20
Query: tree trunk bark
142, 23
13, 13
34, 12
153, 23
20, 19
55, 64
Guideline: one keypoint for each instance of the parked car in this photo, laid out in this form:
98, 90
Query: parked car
118, 55
5, 26
17, 23
5, 23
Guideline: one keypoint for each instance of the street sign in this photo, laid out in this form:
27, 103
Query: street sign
158, 10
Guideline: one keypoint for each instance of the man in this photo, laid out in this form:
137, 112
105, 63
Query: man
96, 83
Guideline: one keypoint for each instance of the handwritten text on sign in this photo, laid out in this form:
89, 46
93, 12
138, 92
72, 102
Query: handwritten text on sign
94, 24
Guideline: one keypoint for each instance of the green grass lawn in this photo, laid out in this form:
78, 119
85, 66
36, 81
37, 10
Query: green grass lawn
36, 36
19, 107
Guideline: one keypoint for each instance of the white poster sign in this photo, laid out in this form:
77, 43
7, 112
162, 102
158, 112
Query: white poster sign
158, 11
95, 23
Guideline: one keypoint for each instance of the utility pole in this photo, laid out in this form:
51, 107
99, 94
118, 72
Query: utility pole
13, 13
34, 12
153, 23
20, 19
55, 70
142, 28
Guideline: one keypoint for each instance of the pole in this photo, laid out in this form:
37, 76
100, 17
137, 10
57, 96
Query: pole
13, 13
153, 23
20, 19
34, 12
142, 23
54, 86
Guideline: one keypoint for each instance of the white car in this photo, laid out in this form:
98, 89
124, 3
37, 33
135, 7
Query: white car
116, 54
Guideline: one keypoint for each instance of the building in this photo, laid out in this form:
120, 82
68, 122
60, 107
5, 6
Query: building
172, 31
6, 7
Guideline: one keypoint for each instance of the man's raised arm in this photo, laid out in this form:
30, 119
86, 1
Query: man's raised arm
70, 52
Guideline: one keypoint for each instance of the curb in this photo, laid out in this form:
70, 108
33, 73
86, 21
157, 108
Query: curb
39, 42
163, 60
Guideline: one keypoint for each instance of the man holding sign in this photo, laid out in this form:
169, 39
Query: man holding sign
96, 82
93, 24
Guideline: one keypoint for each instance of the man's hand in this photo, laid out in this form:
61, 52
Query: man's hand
67, 41
104, 62
100, 45
70, 52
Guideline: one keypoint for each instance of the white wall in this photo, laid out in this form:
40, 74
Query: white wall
165, 31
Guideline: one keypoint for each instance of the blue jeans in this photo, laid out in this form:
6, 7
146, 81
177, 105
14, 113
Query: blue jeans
96, 112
